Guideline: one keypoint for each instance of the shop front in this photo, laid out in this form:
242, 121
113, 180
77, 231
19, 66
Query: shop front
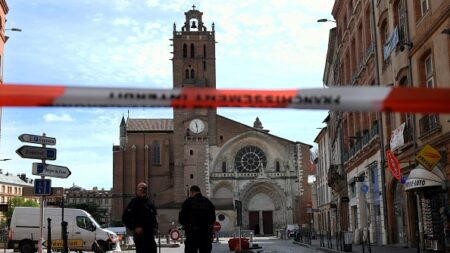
430, 189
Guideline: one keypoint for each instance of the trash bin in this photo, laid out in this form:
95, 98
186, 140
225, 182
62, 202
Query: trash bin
348, 238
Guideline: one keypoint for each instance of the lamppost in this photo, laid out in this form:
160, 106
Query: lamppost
14, 29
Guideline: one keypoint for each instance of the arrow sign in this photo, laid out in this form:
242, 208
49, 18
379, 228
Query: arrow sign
37, 139
33, 152
50, 170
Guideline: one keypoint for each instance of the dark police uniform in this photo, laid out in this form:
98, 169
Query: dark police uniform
141, 212
197, 217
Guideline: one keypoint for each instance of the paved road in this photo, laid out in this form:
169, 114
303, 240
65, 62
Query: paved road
268, 244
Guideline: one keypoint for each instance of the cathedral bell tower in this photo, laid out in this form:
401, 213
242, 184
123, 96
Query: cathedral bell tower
194, 65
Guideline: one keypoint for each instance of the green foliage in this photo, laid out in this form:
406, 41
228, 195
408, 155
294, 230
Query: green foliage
92, 208
18, 201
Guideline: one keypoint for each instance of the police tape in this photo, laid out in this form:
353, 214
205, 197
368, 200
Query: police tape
387, 99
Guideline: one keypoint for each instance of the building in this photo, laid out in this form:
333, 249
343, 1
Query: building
414, 51
3, 11
230, 161
101, 197
402, 44
12, 186
327, 221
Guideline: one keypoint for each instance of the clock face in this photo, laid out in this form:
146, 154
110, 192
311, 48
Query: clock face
196, 126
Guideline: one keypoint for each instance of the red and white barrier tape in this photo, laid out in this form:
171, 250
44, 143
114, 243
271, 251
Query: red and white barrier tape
414, 100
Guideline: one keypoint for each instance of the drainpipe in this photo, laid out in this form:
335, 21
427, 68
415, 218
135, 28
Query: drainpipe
380, 129
419, 231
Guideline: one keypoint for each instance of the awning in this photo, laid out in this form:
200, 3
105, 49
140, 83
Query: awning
421, 177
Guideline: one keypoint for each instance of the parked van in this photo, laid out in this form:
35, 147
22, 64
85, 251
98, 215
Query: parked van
83, 232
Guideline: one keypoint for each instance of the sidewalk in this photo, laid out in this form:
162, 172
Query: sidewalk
357, 248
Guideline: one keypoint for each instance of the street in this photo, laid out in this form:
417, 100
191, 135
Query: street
268, 244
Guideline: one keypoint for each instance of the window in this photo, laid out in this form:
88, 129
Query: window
186, 74
192, 51
277, 166
250, 159
400, 19
353, 189
184, 51
428, 64
85, 223
204, 51
156, 152
224, 167
423, 7
191, 152
192, 74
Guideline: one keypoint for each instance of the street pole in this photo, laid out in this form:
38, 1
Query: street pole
41, 210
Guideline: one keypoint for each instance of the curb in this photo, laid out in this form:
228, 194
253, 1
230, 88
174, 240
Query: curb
317, 248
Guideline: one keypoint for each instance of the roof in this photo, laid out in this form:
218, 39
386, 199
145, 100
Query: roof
13, 180
144, 125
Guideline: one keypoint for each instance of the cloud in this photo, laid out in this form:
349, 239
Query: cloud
63, 117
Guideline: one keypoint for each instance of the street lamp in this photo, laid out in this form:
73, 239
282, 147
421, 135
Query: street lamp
322, 20
5, 159
14, 29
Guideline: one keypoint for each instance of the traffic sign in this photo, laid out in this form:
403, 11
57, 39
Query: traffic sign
217, 226
37, 139
50, 170
42, 186
33, 152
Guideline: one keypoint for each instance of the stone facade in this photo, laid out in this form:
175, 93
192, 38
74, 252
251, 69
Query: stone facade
228, 160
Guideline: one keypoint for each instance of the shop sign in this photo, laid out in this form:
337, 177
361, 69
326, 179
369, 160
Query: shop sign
428, 157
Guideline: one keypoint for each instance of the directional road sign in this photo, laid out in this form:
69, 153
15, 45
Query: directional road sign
50, 170
37, 139
42, 186
33, 152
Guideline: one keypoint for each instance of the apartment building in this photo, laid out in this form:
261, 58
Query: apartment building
414, 52
402, 44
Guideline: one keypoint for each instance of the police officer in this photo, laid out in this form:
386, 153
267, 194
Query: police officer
197, 216
140, 217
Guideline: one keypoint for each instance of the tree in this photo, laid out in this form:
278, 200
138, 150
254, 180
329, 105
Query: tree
18, 201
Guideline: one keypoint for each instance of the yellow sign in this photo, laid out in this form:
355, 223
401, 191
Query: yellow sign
70, 243
428, 157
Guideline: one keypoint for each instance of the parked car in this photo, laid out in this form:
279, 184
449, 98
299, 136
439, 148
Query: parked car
291, 229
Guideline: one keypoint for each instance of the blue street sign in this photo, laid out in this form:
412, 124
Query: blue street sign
364, 188
42, 186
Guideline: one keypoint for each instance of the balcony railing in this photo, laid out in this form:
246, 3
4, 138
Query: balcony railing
365, 137
428, 123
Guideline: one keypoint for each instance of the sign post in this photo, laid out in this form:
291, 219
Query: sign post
42, 186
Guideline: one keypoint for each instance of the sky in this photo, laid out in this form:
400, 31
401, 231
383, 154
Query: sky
269, 44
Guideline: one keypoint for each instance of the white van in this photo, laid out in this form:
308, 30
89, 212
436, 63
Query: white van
83, 232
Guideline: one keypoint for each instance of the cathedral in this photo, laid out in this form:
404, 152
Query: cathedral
231, 162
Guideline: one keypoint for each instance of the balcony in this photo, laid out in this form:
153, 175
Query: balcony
428, 124
336, 180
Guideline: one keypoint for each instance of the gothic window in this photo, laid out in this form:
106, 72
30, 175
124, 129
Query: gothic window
204, 65
224, 167
156, 153
184, 51
250, 159
192, 74
277, 166
192, 51
186, 74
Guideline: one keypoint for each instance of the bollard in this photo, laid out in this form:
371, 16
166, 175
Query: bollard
49, 236
64, 236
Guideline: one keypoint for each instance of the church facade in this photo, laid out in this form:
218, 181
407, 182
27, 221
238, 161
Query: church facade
230, 161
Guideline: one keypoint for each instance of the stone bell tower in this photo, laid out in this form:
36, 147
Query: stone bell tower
194, 65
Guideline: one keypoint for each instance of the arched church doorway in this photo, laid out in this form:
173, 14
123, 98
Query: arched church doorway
260, 214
